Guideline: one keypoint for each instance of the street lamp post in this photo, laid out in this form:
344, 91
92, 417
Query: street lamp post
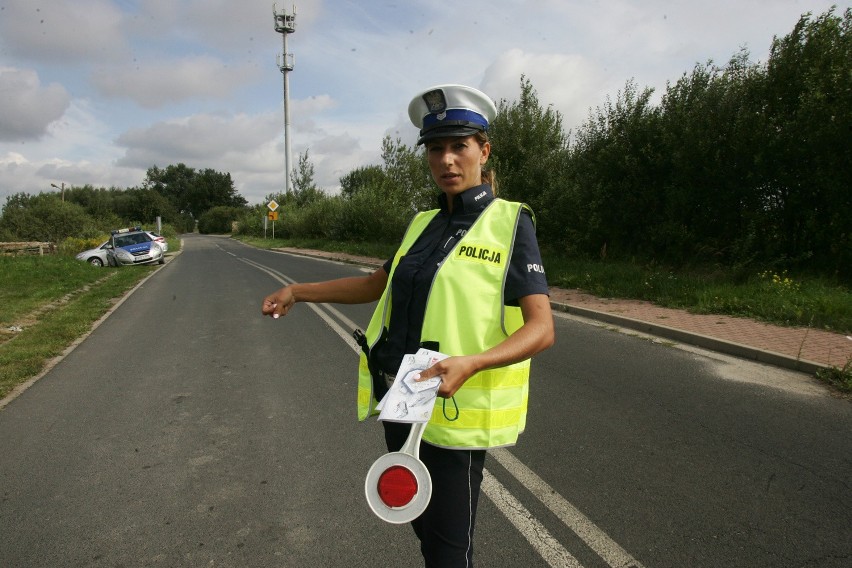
62, 188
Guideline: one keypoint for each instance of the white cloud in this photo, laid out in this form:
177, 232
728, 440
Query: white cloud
62, 32
196, 140
21, 175
86, 173
12, 161
77, 150
157, 84
566, 81
334, 156
28, 108
147, 82
223, 25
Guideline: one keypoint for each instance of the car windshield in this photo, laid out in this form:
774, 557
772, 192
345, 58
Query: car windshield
134, 239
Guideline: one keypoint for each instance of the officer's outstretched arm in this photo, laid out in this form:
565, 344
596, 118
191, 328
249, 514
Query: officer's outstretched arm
352, 290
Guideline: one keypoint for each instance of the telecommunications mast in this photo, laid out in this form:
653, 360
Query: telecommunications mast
285, 24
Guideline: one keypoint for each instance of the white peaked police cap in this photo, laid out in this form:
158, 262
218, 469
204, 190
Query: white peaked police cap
450, 110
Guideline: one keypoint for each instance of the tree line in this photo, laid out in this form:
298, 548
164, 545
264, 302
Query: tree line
178, 195
743, 166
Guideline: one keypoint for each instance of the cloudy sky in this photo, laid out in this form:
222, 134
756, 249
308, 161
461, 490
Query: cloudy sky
97, 91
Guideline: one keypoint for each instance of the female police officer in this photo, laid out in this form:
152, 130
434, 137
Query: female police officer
467, 280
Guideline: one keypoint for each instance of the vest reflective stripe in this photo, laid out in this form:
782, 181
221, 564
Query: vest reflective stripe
487, 418
381, 316
470, 281
492, 404
365, 389
495, 379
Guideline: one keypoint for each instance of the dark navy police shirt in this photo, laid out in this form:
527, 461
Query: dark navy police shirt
416, 270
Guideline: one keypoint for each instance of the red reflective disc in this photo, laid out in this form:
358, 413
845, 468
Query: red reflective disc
397, 486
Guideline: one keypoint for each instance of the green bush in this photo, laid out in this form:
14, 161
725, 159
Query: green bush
368, 216
70, 246
219, 219
251, 222
44, 217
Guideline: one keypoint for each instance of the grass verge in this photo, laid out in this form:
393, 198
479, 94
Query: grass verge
28, 282
53, 304
839, 378
381, 251
767, 296
54, 299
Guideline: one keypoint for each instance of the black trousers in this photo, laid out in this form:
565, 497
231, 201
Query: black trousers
445, 528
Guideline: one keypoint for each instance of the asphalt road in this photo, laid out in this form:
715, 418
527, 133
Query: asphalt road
187, 430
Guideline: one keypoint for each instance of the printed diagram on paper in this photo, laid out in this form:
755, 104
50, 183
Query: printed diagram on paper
409, 400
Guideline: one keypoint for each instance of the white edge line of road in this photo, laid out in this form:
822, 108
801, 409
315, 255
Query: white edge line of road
19, 389
347, 337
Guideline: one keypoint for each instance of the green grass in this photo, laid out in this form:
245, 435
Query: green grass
55, 300
774, 298
381, 251
780, 299
840, 378
27, 282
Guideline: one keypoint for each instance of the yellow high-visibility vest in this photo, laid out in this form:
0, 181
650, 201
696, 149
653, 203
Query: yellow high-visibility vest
465, 314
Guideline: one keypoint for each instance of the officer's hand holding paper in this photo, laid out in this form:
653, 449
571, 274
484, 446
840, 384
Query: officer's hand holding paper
410, 399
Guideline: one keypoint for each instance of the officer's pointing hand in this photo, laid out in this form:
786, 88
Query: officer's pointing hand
278, 303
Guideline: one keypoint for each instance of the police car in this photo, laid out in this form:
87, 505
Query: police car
125, 247
133, 246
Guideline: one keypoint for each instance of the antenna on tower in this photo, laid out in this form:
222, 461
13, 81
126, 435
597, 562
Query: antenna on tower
285, 24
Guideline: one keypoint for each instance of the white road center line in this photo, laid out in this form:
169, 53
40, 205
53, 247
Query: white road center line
541, 540
591, 534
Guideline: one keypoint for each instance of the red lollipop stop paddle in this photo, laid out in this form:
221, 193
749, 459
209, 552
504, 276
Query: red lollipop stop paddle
398, 485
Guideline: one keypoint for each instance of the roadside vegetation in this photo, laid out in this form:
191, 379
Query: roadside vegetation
48, 302
740, 168
730, 195
773, 298
838, 377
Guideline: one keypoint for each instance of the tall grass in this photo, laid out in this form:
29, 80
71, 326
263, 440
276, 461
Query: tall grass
767, 296
46, 303
775, 298
379, 251
27, 282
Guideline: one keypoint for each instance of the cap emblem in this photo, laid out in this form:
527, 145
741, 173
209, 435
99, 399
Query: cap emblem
435, 101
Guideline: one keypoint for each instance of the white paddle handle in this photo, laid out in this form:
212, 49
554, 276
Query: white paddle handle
412, 444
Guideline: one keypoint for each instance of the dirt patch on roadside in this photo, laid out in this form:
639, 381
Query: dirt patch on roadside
9, 331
